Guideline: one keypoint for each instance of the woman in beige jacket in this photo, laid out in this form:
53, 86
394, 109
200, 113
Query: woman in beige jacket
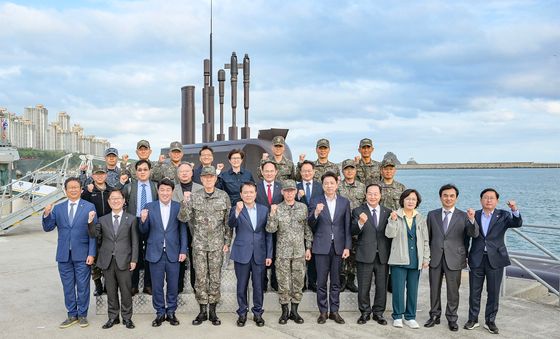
410, 252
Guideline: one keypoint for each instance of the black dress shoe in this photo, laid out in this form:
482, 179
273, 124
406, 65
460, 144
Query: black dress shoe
110, 323
172, 319
134, 291
380, 319
336, 317
432, 321
158, 321
147, 290
241, 320
491, 327
453, 326
322, 318
258, 320
363, 319
129, 324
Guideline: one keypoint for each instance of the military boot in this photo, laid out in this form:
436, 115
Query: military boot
284, 317
294, 315
212, 315
98, 288
350, 285
202, 316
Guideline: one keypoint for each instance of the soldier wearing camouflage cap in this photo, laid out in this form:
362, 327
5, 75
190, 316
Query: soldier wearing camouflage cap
355, 192
322, 164
368, 171
286, 168
115, 178
207, 214
391, 189
167, 168
143, 151
294, 239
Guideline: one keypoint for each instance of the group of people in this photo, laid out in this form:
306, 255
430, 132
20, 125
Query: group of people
305, 222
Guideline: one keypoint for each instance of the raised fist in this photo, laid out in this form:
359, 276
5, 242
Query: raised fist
90, 188
265, 156
144, 215
124, 158
47, 210
123, 178
300, 194
512, 205
219, 167
239, 207
470, 214
302, 157
273, 209
91, 216
187, 196
161, 158
357, 159
319, 208
363, 218
394, 216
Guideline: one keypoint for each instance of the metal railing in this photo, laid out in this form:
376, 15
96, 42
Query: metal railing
549, 258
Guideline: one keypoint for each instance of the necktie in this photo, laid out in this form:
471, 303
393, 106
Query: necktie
116, 224
269, 194
71, 214
307, 192
143, 197
374, 215
446, 221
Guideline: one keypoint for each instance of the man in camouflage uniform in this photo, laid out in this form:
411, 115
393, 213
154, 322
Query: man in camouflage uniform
286, 168
167, 168
293, 247
322, 164
354, 191
367, 170
391, 189
207, 213
143, 151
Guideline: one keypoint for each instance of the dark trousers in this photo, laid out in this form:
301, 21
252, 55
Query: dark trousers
256, 273
118, 280
311, 273
493, 281
142, 264
365, 272
182, 267
328, 267
453, 282
405, 278
272, 268
164, 269
75, 277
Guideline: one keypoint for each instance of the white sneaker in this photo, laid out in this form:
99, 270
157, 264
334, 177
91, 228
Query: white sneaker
411, 323
397, 323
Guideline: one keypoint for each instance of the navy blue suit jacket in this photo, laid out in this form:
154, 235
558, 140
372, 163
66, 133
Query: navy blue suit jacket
323, 227
493, 240
250, 243
175, 234
73, 236
262, 196
316, 191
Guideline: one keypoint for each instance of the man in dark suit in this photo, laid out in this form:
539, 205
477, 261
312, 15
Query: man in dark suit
75, 250
118, 254
449, 229
329, 219
308, 189
167, 247
269, 192
372, 252
251, 251
137, 194
488, 256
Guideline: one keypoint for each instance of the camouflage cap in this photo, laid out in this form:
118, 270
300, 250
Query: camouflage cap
348, 163
208, 170
111, 150
289, 184
98, 169
143, 143
366, 142
176, 146
323, 143
278, 141
387, 162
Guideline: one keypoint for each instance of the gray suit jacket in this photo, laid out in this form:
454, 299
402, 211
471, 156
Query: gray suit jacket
123, 245
178, 191
453, 243
130, 192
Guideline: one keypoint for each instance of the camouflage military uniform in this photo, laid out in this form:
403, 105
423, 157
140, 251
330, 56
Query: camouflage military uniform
207, 215
286, 169
368, 173
164, 170
390, 194
356, 194
293, 232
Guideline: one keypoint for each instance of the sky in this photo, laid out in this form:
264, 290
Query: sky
437, 81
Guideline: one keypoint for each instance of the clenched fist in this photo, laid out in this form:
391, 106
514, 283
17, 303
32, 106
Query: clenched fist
302, 157
219, 167
187, 196
265, 156
273, 209
300, 194
319, 209
357, 159
470, 214
47, 210
239, 207
363, 218
161, 158
91, 216
512, 205
394, 216
144, 215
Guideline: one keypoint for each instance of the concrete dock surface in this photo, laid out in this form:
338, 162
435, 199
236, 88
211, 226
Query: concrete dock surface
32, 306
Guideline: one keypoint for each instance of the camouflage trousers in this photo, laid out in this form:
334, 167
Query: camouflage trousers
208, 272
291, 277
349, 264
